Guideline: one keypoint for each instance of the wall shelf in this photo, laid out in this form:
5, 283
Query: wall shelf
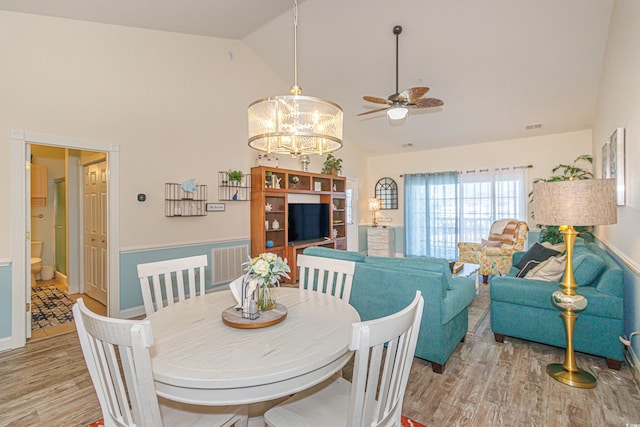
233, 190
178, 202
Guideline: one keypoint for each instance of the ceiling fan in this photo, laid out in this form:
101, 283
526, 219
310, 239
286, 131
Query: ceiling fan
398, 104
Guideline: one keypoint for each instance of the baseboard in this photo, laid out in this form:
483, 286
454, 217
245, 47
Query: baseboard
5, 344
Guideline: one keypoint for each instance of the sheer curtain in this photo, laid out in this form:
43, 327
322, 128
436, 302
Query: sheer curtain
431, 215
488, 196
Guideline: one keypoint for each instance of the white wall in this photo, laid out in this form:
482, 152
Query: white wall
174, 103
543, 152
619, 106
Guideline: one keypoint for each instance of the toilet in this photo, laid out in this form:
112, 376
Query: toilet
36, 260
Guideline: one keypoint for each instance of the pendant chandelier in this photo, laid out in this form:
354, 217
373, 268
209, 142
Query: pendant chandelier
295, 124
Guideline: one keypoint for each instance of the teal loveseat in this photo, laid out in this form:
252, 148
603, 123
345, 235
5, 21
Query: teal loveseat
522, 308
382, 286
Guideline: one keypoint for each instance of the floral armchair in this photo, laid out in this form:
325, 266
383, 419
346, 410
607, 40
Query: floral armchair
494, 255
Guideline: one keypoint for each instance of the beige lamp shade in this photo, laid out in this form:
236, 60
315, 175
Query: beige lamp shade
374, 205
577, 203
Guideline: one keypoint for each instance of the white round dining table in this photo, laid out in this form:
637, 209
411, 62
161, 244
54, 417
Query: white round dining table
198, 359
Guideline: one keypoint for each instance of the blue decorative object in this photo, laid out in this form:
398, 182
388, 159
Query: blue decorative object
235, 196
269, 244
189, 186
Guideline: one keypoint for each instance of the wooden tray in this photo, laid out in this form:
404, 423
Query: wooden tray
232, 317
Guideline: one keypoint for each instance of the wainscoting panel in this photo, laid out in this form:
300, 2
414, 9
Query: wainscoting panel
226, 263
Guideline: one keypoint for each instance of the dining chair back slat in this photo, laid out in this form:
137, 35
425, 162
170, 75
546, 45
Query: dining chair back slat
162, 282
116, 352
384, 350
326, 275
117, 355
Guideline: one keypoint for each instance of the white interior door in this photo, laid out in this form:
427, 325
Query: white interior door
95, 231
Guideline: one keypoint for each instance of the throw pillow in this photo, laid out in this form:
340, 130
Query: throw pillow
527, 268
490, 244
560, 247
550, 270
537, 252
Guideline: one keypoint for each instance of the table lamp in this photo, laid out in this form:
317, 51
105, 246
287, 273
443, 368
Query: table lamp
568, 204
374, 206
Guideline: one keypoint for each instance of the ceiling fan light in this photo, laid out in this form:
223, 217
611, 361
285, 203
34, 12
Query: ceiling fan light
397, 113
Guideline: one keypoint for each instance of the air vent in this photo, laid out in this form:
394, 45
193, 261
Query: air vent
533, 126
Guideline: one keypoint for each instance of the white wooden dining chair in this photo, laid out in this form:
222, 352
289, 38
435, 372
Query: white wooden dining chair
326, 275
162, 282
375, 396
117, 354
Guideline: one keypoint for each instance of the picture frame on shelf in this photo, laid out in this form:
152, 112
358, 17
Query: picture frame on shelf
616, 163
317, 186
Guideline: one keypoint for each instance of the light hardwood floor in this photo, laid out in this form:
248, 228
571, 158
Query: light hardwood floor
484, 384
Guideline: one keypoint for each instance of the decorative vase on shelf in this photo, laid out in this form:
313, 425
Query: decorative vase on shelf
267, 298
275, 225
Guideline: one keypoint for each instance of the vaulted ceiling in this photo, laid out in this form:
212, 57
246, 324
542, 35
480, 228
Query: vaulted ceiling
499, 65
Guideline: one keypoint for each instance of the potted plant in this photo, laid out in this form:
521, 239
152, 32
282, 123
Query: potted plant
235, 177
551, 233
332, 165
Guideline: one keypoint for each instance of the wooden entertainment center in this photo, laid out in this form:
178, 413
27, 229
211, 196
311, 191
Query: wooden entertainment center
277, 187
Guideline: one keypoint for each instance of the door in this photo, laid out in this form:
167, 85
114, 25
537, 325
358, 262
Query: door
95, 231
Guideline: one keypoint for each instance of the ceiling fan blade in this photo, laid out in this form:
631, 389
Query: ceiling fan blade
412, 94
373, 111
426, 103
376, 100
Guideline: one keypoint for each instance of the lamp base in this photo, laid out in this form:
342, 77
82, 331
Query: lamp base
579, 378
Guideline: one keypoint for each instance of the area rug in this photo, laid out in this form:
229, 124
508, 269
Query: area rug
49, 307
406, 422
479, 308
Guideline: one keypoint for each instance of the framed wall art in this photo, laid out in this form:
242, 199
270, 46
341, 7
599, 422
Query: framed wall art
606, 173
616, 163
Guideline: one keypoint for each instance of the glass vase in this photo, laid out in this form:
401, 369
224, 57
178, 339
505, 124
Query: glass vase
267, 299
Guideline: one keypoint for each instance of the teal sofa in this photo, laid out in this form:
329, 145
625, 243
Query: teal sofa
522, 308
382, 286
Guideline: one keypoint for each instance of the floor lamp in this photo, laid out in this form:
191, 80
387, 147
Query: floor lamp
568, 204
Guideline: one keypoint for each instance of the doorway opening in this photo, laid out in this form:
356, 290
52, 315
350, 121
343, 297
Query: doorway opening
61, 214
68, 235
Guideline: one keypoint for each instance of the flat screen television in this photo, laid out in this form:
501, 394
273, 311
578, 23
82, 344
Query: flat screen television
308, 221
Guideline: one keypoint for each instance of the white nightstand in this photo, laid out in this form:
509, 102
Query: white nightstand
381, 241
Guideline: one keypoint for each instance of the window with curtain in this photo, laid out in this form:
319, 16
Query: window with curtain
487, 196
446, 208
431, 215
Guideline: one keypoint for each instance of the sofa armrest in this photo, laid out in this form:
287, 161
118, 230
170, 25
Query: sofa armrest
461, 294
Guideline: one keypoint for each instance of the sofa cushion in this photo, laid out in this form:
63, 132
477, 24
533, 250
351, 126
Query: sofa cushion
527, 268
560, 247
550, 270
335, 254
587, 266
537, 252
537, 293
437, 265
